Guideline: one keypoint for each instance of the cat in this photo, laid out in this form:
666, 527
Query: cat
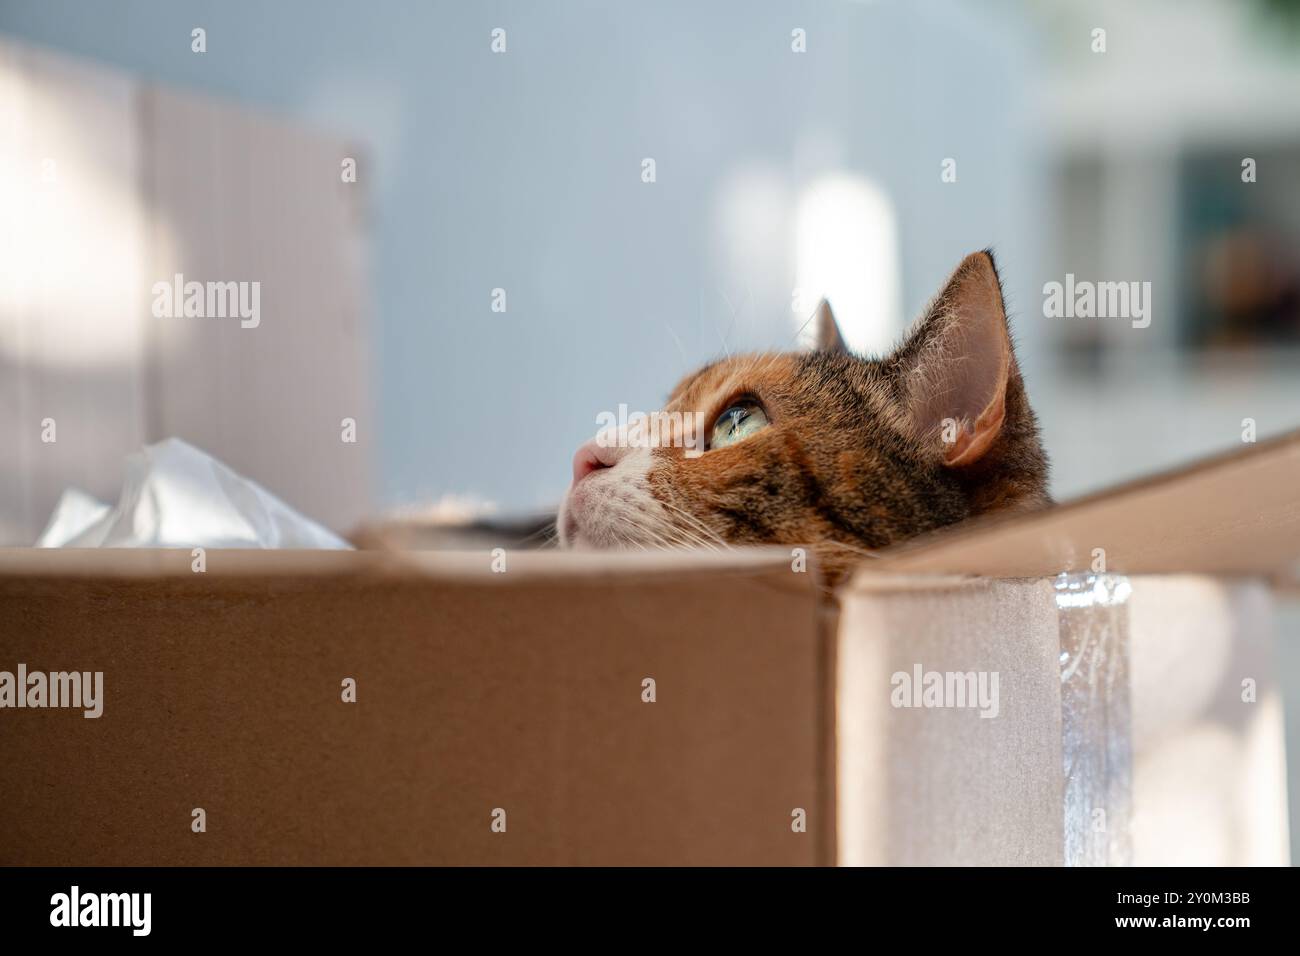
844, 454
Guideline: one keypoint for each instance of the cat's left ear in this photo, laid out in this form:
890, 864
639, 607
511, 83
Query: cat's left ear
827, 330
955, 365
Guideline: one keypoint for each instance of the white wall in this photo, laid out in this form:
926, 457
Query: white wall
522, 171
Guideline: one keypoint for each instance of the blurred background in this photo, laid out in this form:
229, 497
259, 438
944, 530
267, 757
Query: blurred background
507, 264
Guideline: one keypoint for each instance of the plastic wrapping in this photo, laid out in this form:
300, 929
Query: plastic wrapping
175, 496
1096, 723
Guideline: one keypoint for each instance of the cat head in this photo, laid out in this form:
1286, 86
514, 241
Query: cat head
827, 449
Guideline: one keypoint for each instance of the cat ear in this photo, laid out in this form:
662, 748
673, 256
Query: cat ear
955, 365
827, 330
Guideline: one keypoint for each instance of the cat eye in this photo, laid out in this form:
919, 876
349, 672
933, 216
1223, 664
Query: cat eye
740, 420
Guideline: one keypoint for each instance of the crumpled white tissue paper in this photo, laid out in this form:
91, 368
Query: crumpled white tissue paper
175, 496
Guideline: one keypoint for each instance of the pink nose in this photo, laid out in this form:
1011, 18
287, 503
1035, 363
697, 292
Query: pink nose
593, 456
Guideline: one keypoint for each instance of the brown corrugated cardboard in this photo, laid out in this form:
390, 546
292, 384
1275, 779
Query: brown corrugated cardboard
475, 691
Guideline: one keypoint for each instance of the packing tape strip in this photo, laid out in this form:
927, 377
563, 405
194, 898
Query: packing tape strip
1096, 725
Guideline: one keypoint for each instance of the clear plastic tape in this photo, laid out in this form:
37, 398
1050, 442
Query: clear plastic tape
1096, 729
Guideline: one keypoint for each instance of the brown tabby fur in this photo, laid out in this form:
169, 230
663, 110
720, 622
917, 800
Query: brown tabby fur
853, 459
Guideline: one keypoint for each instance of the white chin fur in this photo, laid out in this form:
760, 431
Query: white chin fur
613, 508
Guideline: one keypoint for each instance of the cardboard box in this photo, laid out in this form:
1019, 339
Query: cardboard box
1132, 630
1131, 714
475, 691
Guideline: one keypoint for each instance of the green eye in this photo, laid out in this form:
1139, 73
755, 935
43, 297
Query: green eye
739, 421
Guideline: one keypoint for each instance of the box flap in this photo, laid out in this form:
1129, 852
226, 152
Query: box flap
1236, 513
